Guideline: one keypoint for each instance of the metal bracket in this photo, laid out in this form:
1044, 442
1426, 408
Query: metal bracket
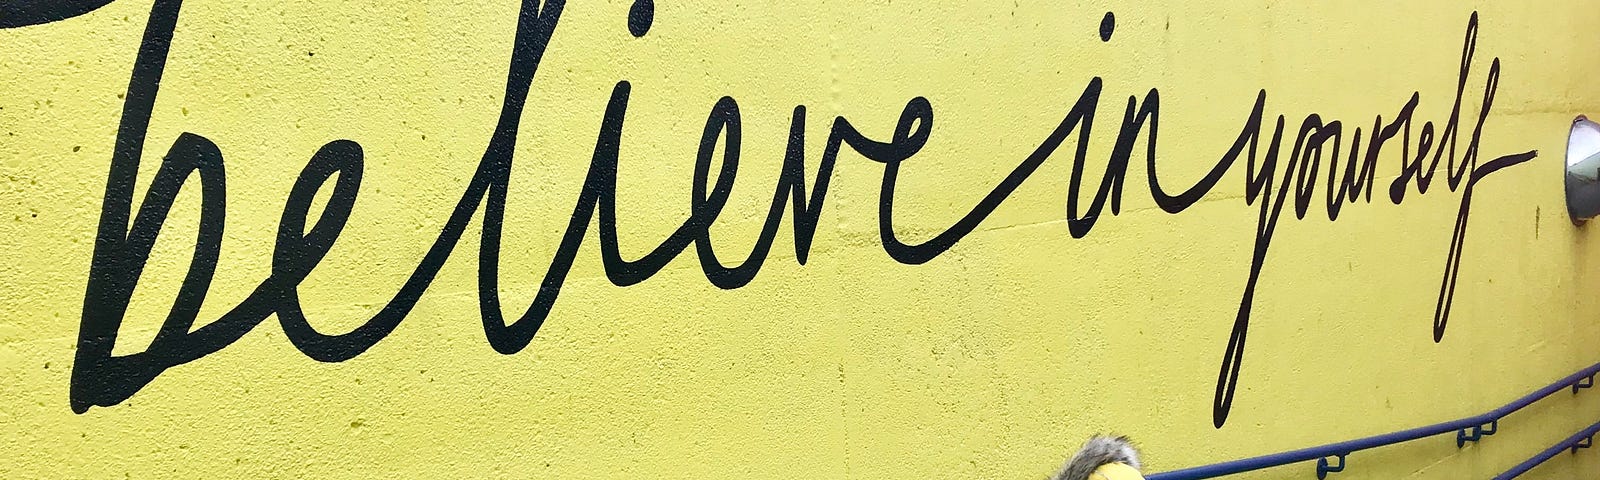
1323, 468
1585, 443
1476, 433
1582, 384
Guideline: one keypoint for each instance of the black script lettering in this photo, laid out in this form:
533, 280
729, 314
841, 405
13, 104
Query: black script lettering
122, 248
27, 12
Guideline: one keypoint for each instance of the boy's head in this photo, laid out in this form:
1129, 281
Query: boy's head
1103, 458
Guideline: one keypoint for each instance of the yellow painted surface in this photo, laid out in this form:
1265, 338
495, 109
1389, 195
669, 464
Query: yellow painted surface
993, 359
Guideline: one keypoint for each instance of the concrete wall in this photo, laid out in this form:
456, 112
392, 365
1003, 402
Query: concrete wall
421, 240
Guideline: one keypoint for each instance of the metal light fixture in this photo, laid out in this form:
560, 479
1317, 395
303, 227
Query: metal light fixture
1583, 170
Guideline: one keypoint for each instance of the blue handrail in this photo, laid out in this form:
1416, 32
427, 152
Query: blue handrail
1467, 429
1582, 439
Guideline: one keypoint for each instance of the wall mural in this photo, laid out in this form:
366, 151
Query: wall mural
1321, 160
733, 239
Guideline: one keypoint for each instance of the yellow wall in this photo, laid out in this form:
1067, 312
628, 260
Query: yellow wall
992, 359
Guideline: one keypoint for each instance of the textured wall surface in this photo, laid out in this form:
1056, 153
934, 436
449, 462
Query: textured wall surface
462, 239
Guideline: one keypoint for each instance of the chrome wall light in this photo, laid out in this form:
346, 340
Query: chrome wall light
1583, 170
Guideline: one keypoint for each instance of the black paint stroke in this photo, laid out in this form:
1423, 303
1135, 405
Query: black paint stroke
121, 249
22, 13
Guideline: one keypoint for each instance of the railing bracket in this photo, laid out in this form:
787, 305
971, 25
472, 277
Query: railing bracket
1323, 468
1582, 384
1583, 439
1475, 433
1585, 443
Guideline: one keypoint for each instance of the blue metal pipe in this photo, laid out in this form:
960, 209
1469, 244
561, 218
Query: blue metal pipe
1573, 442
1474, 423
